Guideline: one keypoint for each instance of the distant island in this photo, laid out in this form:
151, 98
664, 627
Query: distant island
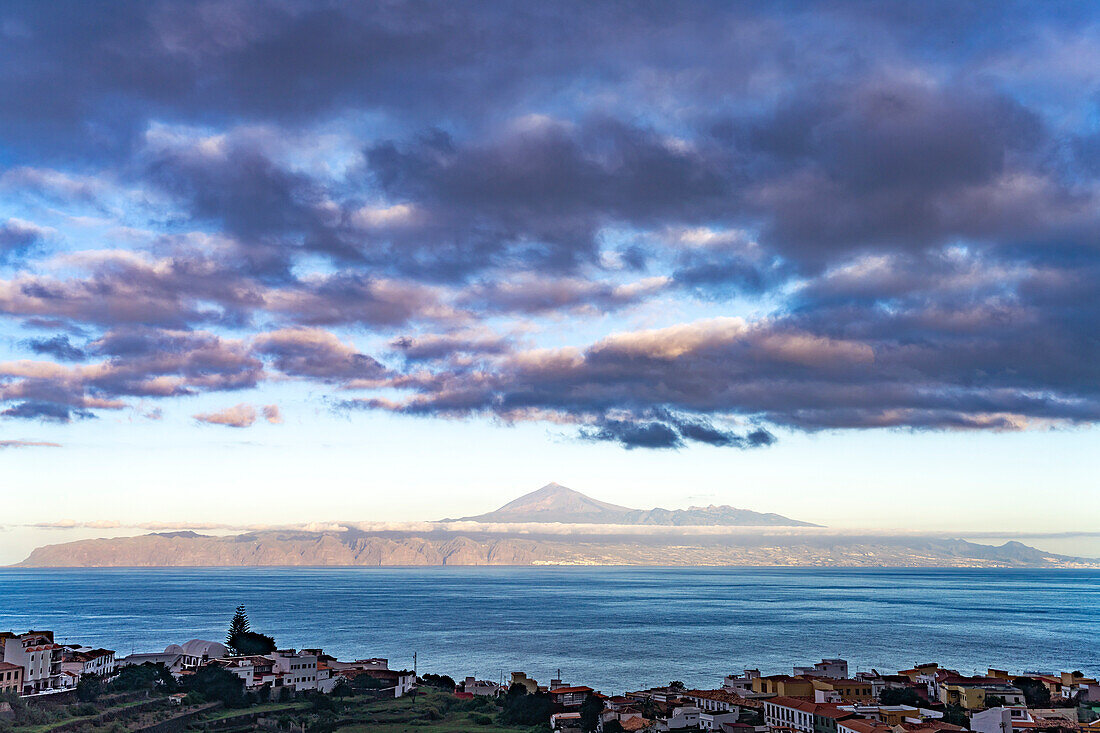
557, 503
555, 525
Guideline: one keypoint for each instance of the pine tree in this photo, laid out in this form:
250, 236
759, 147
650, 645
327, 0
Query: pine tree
239, 625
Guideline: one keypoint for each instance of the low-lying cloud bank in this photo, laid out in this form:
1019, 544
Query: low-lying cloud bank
549, 529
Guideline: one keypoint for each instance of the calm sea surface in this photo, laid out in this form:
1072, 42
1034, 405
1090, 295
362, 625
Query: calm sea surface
614, 629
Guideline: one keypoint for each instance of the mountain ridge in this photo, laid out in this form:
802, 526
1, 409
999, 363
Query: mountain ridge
555, 503
390, 549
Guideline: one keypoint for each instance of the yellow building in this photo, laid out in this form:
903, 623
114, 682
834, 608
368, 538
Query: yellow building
847, 689
784, 685
967, 696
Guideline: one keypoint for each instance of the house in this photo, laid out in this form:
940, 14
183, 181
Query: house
740, 684
402, 681
566, 722
11, 678
570, 697
717, 721
784, 686
971, 692
480, 688
825, 668
721, 701
174, 663
177, 658
862, 725
85, 660
845, 689
893, 714
521, 678
39, 657
803, 716
686, 716
299, 669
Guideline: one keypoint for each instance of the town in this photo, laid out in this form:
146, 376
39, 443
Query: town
247, 683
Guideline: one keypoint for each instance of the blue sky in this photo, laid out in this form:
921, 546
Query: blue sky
264, 264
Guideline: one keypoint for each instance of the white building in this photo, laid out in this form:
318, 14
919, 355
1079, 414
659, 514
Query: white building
994, 720
82, 660
299, 669
684, 717
39, 657
835, 668
715, 721
740, 684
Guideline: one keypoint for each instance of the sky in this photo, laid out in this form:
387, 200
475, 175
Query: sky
274, 263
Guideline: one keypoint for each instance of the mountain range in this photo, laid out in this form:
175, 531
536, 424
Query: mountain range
555, 503
578, 530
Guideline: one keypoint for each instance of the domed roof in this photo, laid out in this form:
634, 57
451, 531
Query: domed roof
173, 649
202, 648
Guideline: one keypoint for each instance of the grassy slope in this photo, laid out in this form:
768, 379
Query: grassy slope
404, 716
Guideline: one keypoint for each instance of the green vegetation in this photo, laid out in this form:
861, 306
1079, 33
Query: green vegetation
215, 683
522, 709
442, 681
143, 677
238, 625
242, 640
590, 713
1035, 692
31, 719
900, 696
429, 712
89, 688
956, 715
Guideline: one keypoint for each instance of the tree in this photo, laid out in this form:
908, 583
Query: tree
612, 726
250, 642
526, 710
994, 701
143, 677
239, 625
956, 715
677, 685
89, 688
1035, 692
442, 681
590, 713
900, 696
215, 683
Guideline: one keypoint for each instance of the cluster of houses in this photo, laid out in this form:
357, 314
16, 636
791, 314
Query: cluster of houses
823, 698
826, 698
33, 664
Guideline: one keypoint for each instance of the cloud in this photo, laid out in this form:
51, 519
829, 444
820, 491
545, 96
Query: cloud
318, 354
238, 416
272, 414
45, 411
563, 226
57, 346
28, 444
19, 237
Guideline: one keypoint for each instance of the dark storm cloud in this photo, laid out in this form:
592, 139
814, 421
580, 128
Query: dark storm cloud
46, 412
543, 190
910, 192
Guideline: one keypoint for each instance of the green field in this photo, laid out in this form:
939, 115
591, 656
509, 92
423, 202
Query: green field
432, 712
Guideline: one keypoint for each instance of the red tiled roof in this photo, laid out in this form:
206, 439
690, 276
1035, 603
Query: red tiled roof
565, 690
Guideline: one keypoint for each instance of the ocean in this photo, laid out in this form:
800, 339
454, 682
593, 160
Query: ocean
612, 628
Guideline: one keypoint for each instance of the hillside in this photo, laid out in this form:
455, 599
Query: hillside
353, 548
